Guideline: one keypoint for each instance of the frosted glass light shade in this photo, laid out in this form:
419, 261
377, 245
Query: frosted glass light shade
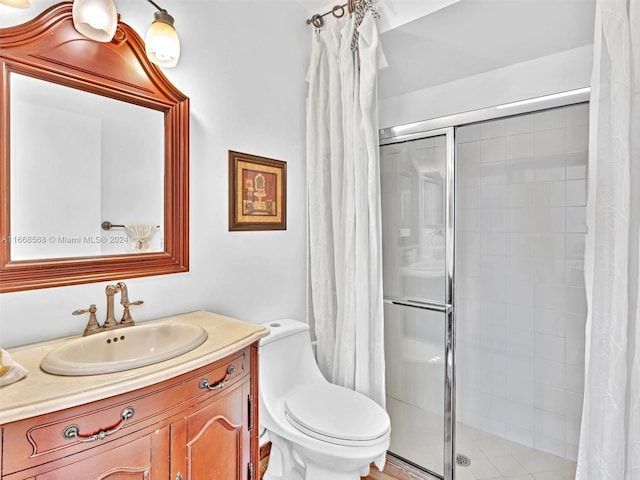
162, 42
95, 19
17, 3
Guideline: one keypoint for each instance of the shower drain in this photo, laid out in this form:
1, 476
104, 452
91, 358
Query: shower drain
462, 460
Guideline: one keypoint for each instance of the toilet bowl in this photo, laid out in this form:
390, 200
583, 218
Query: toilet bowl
318, 431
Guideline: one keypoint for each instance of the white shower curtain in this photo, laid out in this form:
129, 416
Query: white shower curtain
344, 203
610, 433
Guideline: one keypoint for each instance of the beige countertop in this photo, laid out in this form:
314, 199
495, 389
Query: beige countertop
41, 392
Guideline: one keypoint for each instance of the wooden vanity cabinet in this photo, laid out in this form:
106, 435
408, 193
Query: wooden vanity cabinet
213, 442
144, 458
181, 430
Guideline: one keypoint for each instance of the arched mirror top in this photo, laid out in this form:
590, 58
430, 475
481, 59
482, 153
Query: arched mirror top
49, 50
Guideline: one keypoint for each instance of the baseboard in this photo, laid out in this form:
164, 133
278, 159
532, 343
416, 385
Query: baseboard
404, 471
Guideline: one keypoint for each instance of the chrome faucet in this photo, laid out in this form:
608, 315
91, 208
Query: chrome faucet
110, 322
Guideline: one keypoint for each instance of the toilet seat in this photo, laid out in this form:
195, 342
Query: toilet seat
336, 415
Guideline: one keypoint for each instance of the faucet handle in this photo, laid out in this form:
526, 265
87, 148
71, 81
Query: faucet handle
126, 315
92, 309
137, 302
93, 325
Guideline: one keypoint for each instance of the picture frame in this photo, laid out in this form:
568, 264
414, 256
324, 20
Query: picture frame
257, 192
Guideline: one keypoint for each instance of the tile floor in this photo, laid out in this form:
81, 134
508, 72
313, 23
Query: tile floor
418, 436
492, 458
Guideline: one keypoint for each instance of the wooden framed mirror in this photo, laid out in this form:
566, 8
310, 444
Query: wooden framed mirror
120, 156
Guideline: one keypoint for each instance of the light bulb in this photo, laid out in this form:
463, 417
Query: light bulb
95, 19
17, 3
162, 43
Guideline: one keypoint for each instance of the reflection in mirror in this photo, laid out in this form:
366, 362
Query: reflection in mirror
78, 160
413, 216
432, 201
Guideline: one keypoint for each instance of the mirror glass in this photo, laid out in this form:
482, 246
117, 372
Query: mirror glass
78, 160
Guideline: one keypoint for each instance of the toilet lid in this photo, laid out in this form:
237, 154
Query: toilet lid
337, 415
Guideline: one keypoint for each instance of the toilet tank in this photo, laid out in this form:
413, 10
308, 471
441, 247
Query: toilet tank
286, 360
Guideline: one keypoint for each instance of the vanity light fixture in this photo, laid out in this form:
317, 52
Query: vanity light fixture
98, 20
17, 3
95, 19
162, 43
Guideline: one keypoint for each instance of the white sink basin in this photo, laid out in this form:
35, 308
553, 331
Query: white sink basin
123, 349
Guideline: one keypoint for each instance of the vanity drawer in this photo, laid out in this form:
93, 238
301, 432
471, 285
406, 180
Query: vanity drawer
43, 439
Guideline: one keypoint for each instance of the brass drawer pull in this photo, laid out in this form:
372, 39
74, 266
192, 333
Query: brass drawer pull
204, 383
72, 432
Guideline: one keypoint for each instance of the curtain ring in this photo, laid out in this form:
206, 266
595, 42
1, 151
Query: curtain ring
317, 21
338, 11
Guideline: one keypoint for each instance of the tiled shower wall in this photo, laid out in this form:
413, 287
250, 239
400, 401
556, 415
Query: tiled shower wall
521, 307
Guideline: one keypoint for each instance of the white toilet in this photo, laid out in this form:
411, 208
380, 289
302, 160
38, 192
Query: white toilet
318, 431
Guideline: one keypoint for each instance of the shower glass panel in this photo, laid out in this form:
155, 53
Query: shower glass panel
414, 346
416, 179
413, 218
520, 297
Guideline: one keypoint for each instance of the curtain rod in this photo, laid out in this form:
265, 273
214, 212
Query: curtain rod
338, 11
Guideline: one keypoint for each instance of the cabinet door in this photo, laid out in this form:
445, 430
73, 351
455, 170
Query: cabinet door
218, 440
143, 459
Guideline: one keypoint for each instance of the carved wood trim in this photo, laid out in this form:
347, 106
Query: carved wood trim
49, 48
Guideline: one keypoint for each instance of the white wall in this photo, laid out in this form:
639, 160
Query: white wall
560, 72
243, 66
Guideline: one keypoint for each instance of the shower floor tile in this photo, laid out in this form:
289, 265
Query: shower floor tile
491, 457
494, 458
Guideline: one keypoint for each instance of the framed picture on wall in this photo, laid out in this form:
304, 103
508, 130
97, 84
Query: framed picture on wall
257, 192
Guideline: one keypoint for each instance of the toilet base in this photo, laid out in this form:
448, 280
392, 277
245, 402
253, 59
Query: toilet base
287, 464
316, 473
282, 464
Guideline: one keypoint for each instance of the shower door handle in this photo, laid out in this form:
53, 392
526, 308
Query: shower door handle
412, 302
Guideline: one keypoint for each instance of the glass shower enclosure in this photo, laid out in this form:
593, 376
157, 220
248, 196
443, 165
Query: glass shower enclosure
518, 312
418, 242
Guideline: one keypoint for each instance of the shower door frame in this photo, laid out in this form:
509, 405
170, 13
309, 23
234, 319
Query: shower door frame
447, 308
447, 125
